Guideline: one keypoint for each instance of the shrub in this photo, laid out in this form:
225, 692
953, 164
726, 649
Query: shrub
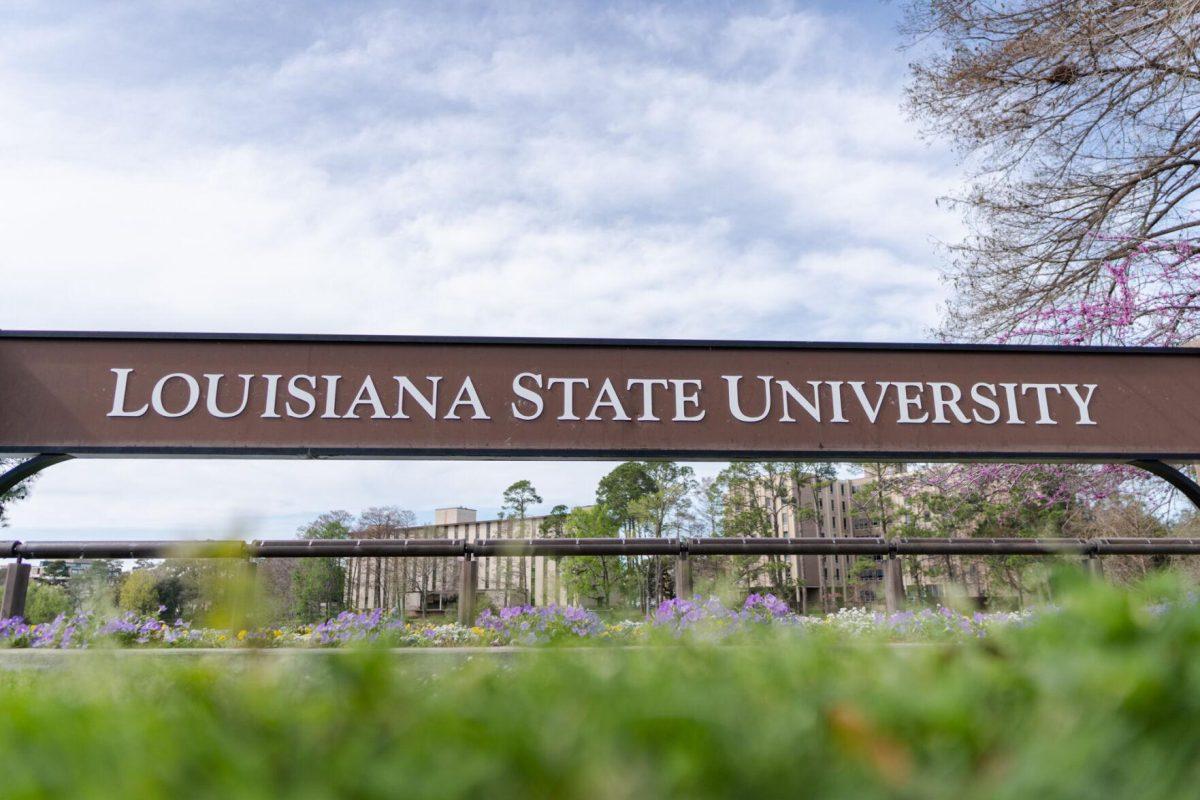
1098, 699
46, 601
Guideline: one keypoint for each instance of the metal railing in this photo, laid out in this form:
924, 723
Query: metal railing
469, 551
486, 548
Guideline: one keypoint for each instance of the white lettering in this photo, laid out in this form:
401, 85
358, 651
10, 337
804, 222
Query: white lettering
1082, 403
872, 412
429, 404
193, 387
331, 385
118, 408
684, 398
528, 394
301, 394
1041, 389
647, 385
941, 403
568, 385
467, 396
214, 386
811, 407
367, 396
835, 395
906, 402
990, 403
735, 405
607, 397
1010, 400
269, 409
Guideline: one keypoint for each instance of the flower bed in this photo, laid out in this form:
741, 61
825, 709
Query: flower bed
517, 625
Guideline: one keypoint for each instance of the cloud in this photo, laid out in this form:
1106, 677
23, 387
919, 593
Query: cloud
679, 170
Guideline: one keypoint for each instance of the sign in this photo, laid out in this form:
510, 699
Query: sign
313, 396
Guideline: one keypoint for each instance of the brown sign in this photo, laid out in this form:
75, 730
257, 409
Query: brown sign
392, 396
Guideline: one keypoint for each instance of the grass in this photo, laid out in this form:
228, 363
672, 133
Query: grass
1098, 699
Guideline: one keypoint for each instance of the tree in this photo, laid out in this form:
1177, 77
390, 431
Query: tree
759, 495
595, 577
56, 571
621, 488
94, 586
1082, 210
626, 492
809, 480
663, 511
381, 582
179, 589
45, 602
139, 592
517, 500
553, 526
519, 497
1085, 138
318, 585
746, 515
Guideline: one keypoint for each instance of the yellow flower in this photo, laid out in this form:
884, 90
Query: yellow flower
478, 631
241, 635
221, 638
278, 633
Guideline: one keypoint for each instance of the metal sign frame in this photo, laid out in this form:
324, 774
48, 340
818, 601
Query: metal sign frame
1154, 462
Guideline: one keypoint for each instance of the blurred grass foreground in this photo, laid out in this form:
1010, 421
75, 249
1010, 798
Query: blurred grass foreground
1098, 697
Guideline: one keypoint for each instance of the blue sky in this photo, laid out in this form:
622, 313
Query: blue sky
686, 170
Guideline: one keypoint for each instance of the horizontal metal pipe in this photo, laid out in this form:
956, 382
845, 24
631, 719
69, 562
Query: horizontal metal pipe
748, 546
484, 548
131, 549
574, 547
293, 548
988, 547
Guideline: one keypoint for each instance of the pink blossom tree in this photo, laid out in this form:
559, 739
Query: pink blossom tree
1149, 297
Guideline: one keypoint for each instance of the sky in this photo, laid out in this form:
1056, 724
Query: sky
686, 170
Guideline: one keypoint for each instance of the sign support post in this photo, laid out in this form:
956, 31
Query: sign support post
466, 590
683, 573
893, 582
16, 586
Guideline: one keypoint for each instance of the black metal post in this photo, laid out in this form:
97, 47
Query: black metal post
893, 582
16, 586
1091, 562
466, 590
683, 573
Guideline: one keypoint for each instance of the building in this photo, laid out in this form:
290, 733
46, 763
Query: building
430, 585
833, 509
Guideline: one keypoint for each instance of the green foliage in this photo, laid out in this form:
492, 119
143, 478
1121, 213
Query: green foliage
1099, 700
139, 592
663, 508
594, 578
45, 601
94, 586
330, 525
554, 525
56, 569
519, 497
318, 587
619, 489
318, 584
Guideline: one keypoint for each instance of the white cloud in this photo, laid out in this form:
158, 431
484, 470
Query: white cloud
633, 172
